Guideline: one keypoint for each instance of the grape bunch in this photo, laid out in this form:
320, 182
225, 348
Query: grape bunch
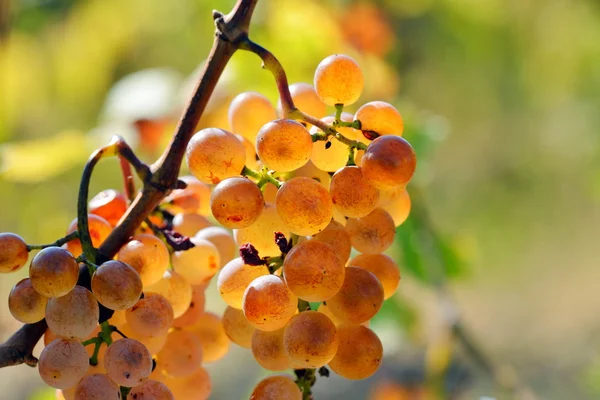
307, 205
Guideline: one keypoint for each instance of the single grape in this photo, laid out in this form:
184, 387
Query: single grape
324, 309
154, 344
305, 98
195, 309
268, 303
13, 252
197, 264
181, 355
360, 297
237, 202
25, 304
53, 272
151, 316
74, 315
237, 328
235, 277
380, 117
176, 289
196, 386
359, 353
209, 329
310, 339
304, 206
328, 155
389, 162
262, 233
118, 318
276, 387
214, 154
248, 112
373, 233
338, 80
63, 363
336, 236
151, 390
148, 255
313, 271
189, 223
353, 195
99, 230
194, 198
223, 241
284, 145
128, 362
310, 170
383, 267
116, 285
397, 203
97, 387
108, 204
267, 349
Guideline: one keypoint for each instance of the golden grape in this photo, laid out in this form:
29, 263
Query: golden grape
235, 277
236, 202
359, 353
53, 272
148, 255
268, 303
13, 252
338, 80
383, 267
25, 303
248, 112
276, 387
237, 328
284, 145
351, 193
267, 349
310, 339
380, 117
373, 233
389, 162
336, 236
360, 297
116, 285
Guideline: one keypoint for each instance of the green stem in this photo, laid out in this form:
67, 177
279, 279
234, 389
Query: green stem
90, 265
106, 333
125, 392
339, 108
251, 173
263, 177
351, 161
57, 243
356, 124
306, 378
274, 263
94, 357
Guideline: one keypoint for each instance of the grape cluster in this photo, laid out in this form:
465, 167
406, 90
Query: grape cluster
321, 188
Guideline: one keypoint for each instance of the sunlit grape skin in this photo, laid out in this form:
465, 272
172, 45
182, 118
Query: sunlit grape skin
336, 236
383, 267
277, 387
332, 154
195, 309
284, 145
268, 303
261, 233
97, 387
223, 241
235, 277
199, 263
389, 162
248, 112
194, 198
351, 193
148, 255
116, 285
108, 204
190, 223
306, 99
338, 80
150, 390
151, 316
360, 297
373, 233
25, 303
310, 339
196, 386
237, 328
63, 363
268, 350
13, 252
397, 203
359, 353
176, 289
236, 202
128, 362
209, 329
181, 355
380, 117
99, 229
53, 272
74, 315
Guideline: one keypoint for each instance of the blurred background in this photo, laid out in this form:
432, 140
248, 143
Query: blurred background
499, 259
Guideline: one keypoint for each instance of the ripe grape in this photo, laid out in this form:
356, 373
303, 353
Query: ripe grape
352, 194
311, 171
338, 80
181, 355
313, 271
397, 204
214, 154
223, 241
151, 390
153, 343
116, 285
194, 198
329, 158
268, 303
237, 328
236, 202
248, 112
262, 233
74, 315
380, 117
118, 318
251, 156
373, 233
310, 339
284, 145
66, 394
63, 363
99, 229
196, 386
324, 309
53, 272
209, 329
336, 236
189, 223
151, 316
128, 362
148, 255
197, 264
108, 204
13, 252
359, 353
389, 162
25, 303
267, 349
97, 387
176, 289
305, 98
304, 206
276, 387
360, 297
235, 277
383, 267
195, 309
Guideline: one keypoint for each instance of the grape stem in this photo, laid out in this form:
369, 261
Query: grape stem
306, 378
90, 265
59, 242
263, 177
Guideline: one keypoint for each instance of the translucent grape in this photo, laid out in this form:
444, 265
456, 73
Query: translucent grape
151, 316
311, 171
25, 303
324, 309
181, 355
195, 309
267, 349
199, 263
235, 277
383, 267
389, 162
336, 236
151, 390
128, 362
276, 387
284, 145
118, 318
189, 223
353, 195
99, 230
313, 271
236, 202
153, 343
176, 289
262, 233
108, 204
304, 206
310, 339
196, 386
53, 272
148, 255
237, 328
116, 285
397, 203
373, 233
63, 363
223, 241
359, 353
338, 80
194, 198
97, 387
306, 99
13, 252
380, 117
74, 315
209, 329
268, 303
251, 156
214, 154
248, 112
360, 297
